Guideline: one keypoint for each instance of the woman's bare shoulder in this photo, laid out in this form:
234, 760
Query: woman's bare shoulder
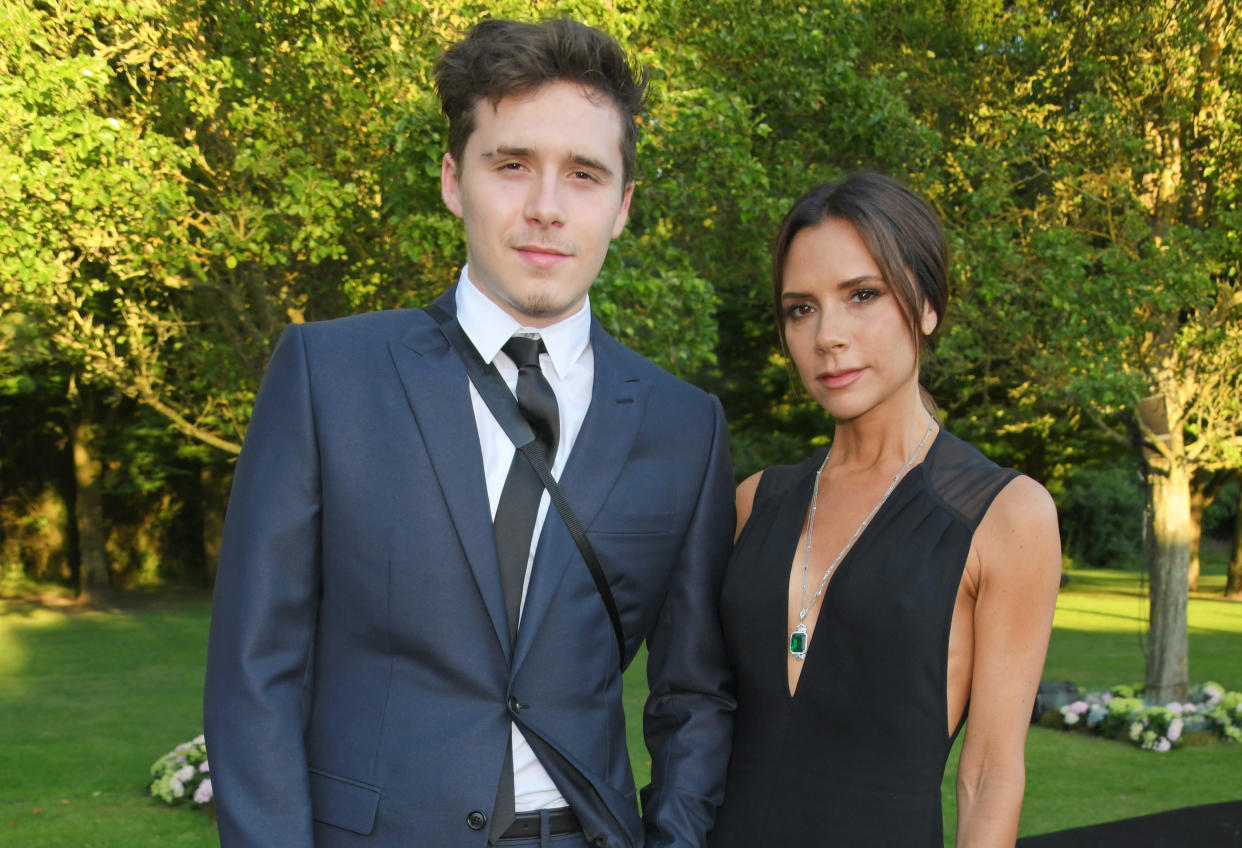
1020, 525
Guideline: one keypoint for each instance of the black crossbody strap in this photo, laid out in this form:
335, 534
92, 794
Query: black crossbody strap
500, 400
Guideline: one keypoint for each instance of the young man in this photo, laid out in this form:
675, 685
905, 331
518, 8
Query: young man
407, 647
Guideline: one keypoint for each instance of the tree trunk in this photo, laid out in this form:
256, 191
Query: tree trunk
215, 487
1198, 502
88, 514
1168, 668
1233, 582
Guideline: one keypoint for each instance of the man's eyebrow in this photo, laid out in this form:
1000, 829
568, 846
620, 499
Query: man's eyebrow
593, 164
526, 152
508, 151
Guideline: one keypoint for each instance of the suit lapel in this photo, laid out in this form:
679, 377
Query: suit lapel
618, 400
430, 370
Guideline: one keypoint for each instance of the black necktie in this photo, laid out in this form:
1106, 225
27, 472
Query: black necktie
514, 524
519, 499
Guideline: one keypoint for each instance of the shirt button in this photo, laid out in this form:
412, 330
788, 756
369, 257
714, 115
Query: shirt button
476, 820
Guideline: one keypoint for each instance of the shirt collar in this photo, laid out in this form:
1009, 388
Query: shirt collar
489, 327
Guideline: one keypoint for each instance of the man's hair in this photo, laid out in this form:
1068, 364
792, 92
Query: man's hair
502, 58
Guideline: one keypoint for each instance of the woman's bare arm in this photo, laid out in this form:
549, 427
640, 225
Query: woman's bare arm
1018, 552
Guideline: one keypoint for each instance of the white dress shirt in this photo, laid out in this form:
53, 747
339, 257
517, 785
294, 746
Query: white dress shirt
569, 367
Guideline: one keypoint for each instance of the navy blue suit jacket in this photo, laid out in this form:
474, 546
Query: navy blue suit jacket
360, 682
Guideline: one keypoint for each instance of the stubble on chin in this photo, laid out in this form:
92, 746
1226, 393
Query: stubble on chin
544, 307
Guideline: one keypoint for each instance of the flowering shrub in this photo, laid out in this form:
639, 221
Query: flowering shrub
1122, 714
182, 776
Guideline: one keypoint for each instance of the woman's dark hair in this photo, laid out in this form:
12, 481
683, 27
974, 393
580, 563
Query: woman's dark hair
900, 230
500, 58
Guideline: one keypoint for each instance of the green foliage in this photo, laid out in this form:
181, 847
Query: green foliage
1220, 515
1101, 516
180, 180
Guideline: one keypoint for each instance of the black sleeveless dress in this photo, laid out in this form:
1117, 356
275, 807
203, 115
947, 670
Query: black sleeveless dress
855, 758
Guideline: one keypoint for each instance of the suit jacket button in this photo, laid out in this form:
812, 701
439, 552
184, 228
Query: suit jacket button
476, 820
515, 706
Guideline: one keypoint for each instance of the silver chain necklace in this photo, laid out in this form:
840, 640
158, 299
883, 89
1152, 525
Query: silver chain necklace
798, 638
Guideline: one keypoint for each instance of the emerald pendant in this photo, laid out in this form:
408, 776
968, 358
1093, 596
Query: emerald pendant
798, 642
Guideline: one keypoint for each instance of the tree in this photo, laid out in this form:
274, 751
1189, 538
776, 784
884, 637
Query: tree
1204, 489
1233, 582
183, 179
187, 178
1129, 226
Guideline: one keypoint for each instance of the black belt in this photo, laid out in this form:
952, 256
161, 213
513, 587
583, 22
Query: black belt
526, 825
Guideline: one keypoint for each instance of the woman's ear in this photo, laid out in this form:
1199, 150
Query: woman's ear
930, 319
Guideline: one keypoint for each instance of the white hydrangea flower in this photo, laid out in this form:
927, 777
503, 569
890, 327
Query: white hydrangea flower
1175, 730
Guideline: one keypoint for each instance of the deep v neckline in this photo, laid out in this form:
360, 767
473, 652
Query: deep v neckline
804, 492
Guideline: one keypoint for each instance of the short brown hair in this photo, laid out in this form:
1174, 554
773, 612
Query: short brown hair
500, 58
901, 232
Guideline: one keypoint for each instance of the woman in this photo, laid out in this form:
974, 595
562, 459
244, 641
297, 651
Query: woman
887, 582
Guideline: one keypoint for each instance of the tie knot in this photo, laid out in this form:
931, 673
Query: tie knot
524, 351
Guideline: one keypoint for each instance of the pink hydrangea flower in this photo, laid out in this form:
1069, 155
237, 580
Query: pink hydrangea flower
1080, 707
202, 794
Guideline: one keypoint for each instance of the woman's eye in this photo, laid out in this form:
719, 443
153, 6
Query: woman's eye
864, 295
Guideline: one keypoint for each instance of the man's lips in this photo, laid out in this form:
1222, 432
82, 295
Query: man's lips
541, 257
839, 379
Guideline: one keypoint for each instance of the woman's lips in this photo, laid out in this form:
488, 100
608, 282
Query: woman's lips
839, 379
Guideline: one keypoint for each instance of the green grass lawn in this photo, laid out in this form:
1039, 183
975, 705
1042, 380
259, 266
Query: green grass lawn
88, 700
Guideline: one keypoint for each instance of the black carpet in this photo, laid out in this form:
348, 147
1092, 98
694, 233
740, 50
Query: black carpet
1208, 826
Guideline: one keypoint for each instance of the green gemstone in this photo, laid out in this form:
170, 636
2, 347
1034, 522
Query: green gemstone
797, 643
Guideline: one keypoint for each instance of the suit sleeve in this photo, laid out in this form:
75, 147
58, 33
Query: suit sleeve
688, 720
259, 659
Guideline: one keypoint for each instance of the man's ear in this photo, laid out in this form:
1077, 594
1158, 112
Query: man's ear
449, 184
623, 213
